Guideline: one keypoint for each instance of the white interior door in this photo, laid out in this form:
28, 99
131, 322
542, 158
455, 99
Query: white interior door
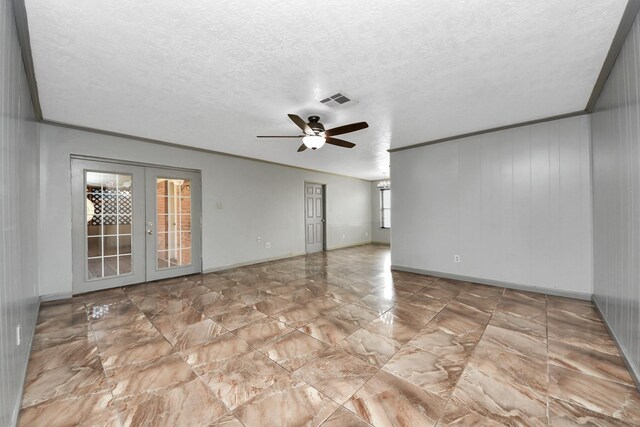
314, 217
133, 224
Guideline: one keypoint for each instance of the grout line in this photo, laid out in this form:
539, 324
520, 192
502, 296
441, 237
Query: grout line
466, 365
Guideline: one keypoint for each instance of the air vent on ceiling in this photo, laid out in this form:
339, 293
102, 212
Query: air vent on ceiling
335, 100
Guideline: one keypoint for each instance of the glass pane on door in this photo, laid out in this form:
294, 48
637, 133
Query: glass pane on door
173, 222
108, 228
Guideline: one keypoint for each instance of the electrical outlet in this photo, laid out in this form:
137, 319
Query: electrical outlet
366, 234
18, 335
344, 237
259, 239
267, 245
456, 258
219, 205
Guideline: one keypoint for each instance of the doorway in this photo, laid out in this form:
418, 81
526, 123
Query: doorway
133, 224
314, 218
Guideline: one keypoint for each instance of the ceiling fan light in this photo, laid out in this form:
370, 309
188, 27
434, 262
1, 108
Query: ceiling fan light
313, 141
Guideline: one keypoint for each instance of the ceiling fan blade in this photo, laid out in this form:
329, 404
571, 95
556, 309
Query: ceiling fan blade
300, 123
279, 136
347, 128
302, 148
340, 142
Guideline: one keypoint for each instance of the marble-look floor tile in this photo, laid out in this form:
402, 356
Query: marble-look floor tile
219, 307
262, 332
106, 297
514, 342
272, 305
287, 404
202, 301
534, 326
188, 293
53, 336
435, 374
525, 296
136, 352
354, 314
239, 317
294, 350
425, 302
436, 340
298, 316
219, 284
439, 292
136, 383
65, 381
375, 303
485, 303
188, 328
61, 310
392, 294
457, 414
595, 394
594, 339
345, 295
216, 353
345, 418
191, 404
119, 315
243, 378
591, 362
228, 420
515, 370
314, 331
461, 319
253, 297
371, 347
112, 340
91, 409
386, 400
328, 329
336, 374
565, 414
74, 353
391, 326
504, 387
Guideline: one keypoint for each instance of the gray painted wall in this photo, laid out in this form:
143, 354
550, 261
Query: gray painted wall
258, 199
615, 127
378, 235
515, 205
18, 219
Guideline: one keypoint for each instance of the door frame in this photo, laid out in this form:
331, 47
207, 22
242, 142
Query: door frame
76, 218
324, 213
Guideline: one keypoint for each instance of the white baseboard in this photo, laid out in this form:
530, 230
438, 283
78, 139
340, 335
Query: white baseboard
253, 262
277, 258
516, 286
349, 245
55, 297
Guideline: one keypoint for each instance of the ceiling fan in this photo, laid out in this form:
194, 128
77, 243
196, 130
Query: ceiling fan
315, 135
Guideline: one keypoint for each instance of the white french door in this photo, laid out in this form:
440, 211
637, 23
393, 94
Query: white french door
133, 224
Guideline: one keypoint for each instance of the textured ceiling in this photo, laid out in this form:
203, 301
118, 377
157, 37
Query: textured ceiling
214, 74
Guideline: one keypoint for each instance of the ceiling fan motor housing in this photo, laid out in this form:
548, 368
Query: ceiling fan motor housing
315, 125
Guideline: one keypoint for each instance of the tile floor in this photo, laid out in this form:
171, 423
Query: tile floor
332, 339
